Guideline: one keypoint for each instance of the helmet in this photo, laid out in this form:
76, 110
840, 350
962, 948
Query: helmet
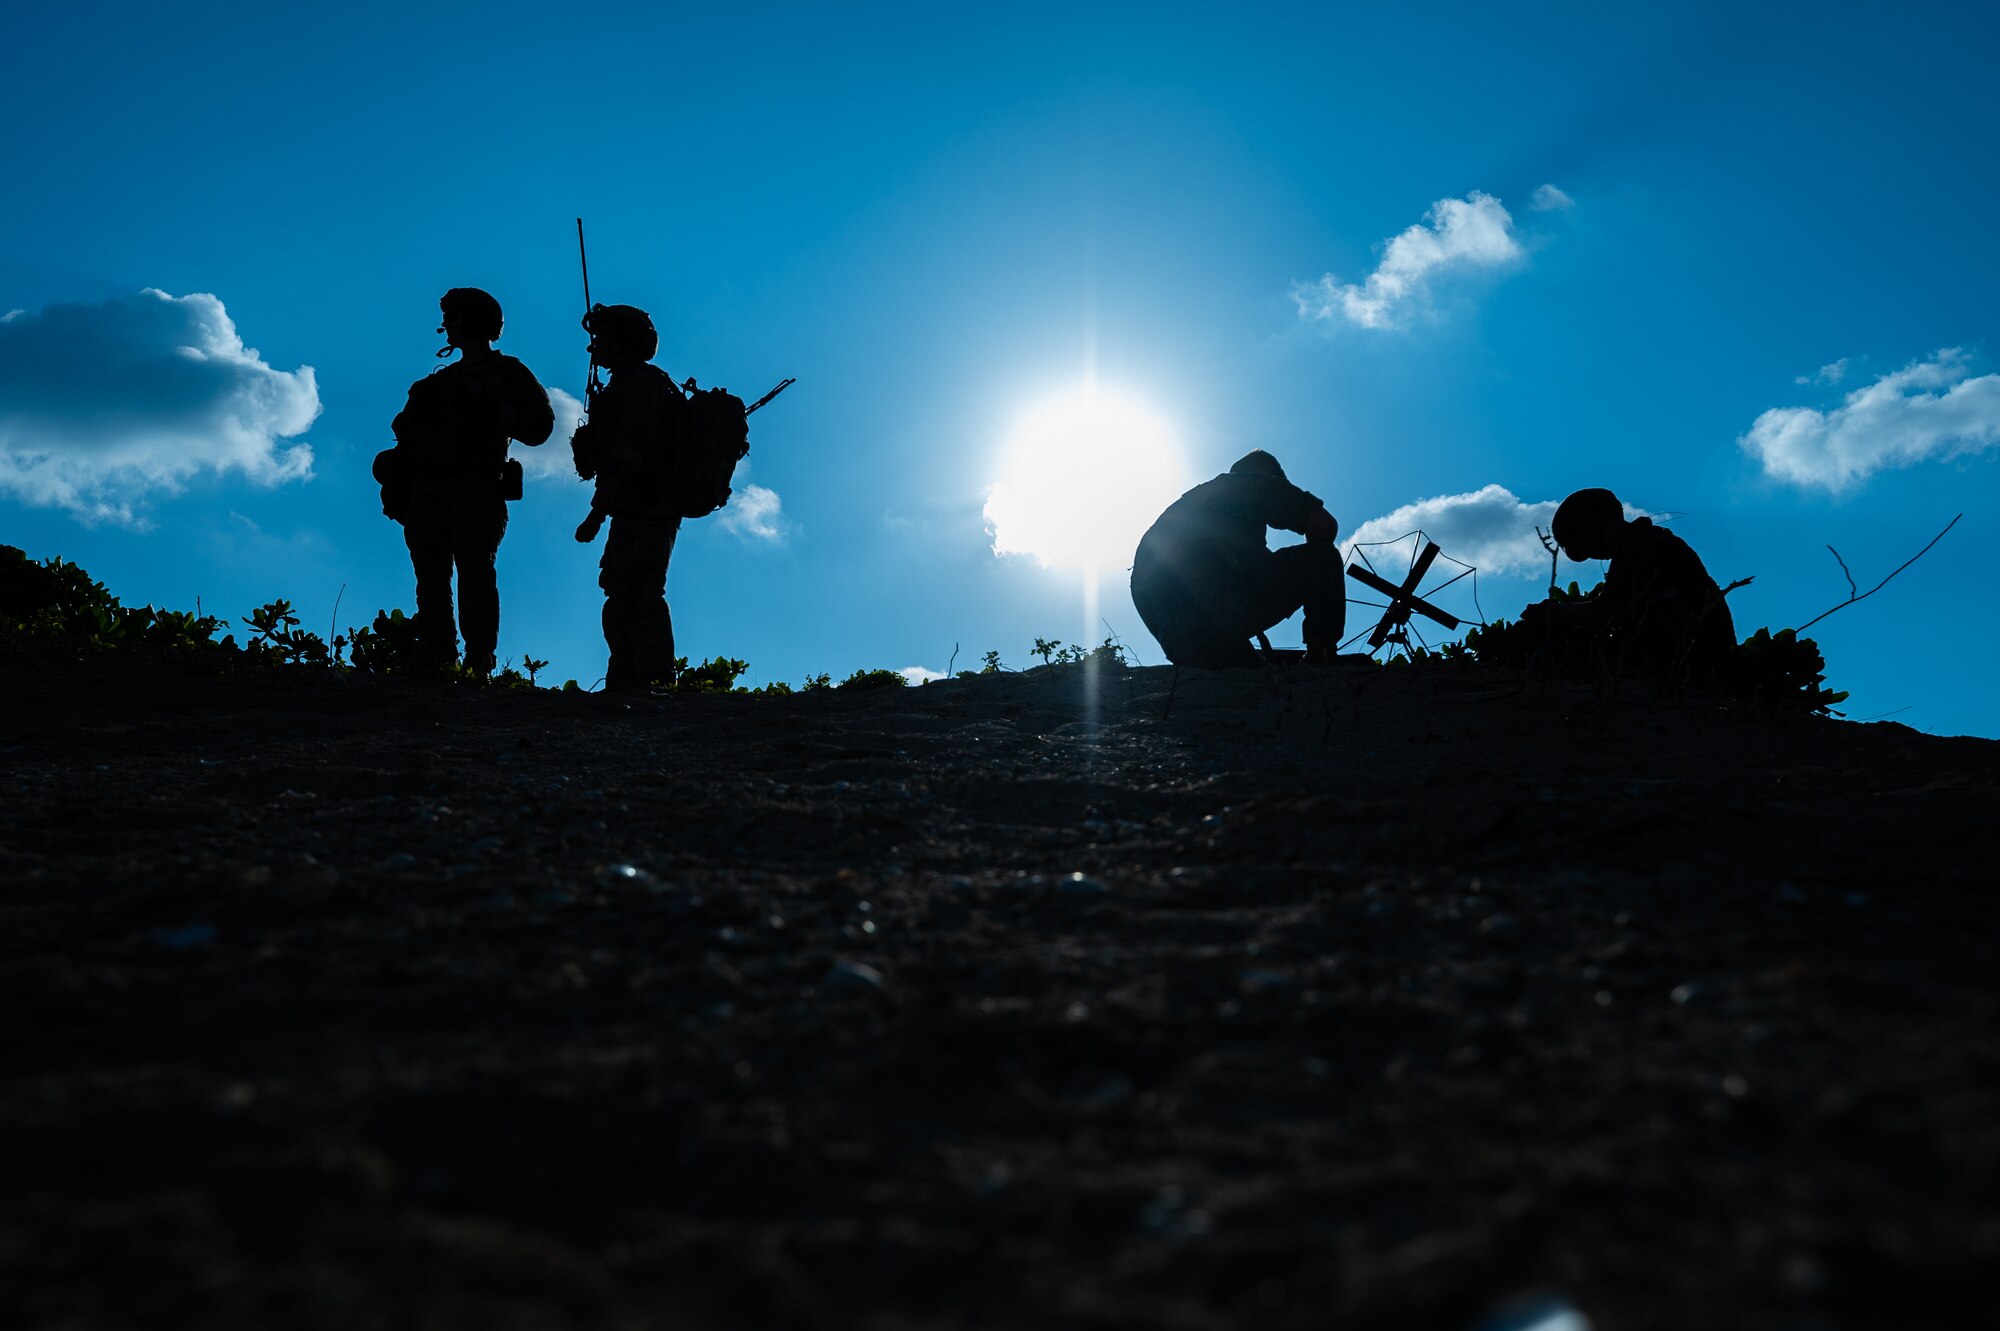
478, 308
1582, 513
627, 325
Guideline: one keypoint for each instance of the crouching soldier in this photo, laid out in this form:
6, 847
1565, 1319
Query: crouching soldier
1658, 611
449, 478
1205, 580
628, 447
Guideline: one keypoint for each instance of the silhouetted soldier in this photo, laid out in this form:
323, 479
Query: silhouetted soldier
628, 447
1206, 581
458, 478
1658, 611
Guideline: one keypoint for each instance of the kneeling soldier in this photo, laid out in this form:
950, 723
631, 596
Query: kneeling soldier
1205, 579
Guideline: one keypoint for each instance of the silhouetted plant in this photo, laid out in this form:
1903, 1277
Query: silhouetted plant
718, 674
1786, 669
388, 647
277, 630
874, 679
56, 599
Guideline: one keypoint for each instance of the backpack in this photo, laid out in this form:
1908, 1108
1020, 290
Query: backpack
715, 436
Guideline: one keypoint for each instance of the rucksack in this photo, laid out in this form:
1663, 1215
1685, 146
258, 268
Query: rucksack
715, 436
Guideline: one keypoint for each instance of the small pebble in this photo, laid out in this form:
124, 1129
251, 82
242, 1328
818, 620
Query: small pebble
852, 977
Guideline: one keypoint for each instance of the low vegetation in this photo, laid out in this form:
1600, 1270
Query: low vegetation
1779, 668
56, 601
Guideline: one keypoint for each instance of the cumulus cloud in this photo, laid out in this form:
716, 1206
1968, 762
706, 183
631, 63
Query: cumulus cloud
1933, 408
1490, 528
553, 461
755, 514
1473, 232
1549, 199
920, 674
106, 405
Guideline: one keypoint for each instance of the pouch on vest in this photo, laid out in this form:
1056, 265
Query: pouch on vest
392, 471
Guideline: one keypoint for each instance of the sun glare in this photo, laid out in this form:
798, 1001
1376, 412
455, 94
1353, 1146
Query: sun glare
1081, 479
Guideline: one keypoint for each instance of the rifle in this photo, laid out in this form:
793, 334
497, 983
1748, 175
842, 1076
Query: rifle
768, 396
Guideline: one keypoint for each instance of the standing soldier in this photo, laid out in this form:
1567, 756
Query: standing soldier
456, 477
629, 447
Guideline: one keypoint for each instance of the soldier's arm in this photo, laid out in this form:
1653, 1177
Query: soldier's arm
1286, 507
418, 418
530, 417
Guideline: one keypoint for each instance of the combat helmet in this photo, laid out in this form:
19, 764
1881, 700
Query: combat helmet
479, 310
1584, 514
627, 325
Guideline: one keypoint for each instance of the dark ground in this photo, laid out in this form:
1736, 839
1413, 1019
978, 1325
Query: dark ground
350, 1004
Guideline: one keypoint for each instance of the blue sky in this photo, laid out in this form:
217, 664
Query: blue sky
939, 221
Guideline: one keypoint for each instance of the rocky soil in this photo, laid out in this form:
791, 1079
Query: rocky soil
1369, 998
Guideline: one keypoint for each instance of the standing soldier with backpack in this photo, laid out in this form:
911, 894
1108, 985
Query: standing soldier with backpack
630, 446
448, 479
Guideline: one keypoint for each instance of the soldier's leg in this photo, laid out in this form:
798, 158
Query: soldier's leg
652, 621
1179, 606
616, 615
428, 536
1301, 577
638, 627
477, 526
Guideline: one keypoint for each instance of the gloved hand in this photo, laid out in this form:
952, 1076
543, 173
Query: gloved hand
1321, 529
587, 530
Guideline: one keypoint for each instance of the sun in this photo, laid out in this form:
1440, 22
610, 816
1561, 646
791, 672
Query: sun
1082, 476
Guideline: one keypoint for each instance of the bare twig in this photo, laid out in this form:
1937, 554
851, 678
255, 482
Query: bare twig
1880, 585
1745, 582
333, 624
1851, 588
1112, 634
948, 673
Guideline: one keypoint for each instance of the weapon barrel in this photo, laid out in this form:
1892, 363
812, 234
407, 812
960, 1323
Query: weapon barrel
768, 396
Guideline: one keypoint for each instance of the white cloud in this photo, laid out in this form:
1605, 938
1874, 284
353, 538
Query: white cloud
1932, 408
1826, 374
755, 514
920, 674
1489, 528
1549, 199
553, 460
105, 405
1473, 232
